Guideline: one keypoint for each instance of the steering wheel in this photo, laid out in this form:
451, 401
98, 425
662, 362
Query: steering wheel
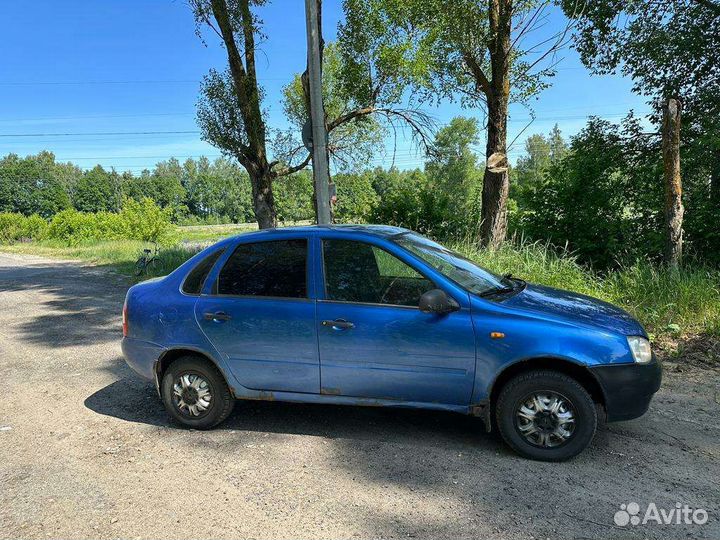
388, 289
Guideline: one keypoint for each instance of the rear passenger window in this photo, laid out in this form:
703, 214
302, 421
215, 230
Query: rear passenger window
277, 268
196, 278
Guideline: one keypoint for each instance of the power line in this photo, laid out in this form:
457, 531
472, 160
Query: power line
100, 134
196, 156
93, 116
120, 82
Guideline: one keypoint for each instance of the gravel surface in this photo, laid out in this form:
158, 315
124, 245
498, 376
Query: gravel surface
87, 451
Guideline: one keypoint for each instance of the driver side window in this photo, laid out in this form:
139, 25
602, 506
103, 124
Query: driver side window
362, 273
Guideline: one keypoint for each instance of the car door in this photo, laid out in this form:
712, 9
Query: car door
259, 315
374, 341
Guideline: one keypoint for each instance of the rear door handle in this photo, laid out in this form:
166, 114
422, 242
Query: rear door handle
339, 324
217, 316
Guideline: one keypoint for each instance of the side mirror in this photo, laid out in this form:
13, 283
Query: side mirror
437, 301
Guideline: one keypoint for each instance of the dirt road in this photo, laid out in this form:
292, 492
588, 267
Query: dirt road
86, 449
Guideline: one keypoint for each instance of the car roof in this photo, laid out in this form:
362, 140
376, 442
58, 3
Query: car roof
383, 231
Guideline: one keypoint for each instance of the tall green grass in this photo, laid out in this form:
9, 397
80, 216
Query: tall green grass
667, 302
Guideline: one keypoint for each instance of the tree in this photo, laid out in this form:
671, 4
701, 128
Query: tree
602, 199
673, 183
351, 143
541, 153
229, 111
98, 190
558, 146
455, 181
530, 168
356, 197
471, 50
295, 198
32, 185
670, 49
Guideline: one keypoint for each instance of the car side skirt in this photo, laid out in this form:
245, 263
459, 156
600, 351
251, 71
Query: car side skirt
329, 399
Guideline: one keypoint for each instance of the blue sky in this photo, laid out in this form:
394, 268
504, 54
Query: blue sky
135, 65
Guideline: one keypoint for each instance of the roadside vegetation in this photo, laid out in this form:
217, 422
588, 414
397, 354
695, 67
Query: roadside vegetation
670, 303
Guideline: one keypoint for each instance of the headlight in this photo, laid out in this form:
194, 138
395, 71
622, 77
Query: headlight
640, 348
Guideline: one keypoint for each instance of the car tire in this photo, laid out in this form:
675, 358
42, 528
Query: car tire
190, 380
546, 415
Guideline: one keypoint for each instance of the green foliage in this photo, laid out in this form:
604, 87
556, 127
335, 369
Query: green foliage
33, 185
403, 200
16, 227
220, 188
356, 198
443, 200
350, 143
138, 220
144, 220
73, 227
98, 190
455, 180
670, 49
425, 44
294, 197
603, 200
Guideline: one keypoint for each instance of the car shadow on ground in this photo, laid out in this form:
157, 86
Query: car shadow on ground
135, 400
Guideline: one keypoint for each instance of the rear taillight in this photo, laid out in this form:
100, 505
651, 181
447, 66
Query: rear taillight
125, 319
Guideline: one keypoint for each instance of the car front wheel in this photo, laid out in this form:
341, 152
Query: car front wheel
195, 393
546, 415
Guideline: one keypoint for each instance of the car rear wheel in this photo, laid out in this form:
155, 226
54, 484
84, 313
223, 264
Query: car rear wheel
195, 393
546, 415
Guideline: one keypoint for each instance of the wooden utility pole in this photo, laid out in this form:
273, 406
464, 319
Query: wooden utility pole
673, 182
321, 173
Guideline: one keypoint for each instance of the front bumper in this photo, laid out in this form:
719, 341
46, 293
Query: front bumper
628, 388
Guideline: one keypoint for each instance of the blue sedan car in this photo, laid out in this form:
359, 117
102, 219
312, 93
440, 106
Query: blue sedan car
382, 316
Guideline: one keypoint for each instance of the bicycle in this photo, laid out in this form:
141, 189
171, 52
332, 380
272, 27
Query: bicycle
145, 260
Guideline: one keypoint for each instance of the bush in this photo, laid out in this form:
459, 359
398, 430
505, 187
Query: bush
145, 220
15, 227
73, 227
142, 220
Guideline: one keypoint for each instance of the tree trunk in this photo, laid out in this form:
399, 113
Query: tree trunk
263, 199
241, 60
673, 183
496, 182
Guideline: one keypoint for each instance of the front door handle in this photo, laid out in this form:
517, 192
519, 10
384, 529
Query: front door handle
339, 324
217, 316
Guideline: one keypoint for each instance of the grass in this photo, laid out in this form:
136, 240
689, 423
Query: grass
670, 304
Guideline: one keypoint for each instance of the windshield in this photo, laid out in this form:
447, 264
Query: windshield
460, 269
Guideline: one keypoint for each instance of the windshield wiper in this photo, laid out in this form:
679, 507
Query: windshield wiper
521, 283
516, 286
495, 291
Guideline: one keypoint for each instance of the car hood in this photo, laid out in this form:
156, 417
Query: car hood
574, 307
